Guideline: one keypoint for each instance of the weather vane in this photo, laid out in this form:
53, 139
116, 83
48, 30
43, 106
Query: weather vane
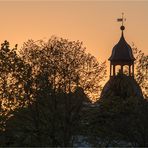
122, 19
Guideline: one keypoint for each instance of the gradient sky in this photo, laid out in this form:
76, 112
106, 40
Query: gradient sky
93, 22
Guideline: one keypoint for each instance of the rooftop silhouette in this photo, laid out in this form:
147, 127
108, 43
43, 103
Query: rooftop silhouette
122, 83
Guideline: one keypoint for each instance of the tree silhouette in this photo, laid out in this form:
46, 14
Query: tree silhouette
12, 77
141, 70
66, 63
55, 78
120, 118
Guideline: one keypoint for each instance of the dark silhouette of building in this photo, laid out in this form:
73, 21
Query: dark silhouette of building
122, 83
122, 55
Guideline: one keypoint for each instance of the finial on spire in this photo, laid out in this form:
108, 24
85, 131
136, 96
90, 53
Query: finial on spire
122, 19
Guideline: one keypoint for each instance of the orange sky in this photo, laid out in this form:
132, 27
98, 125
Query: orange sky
93, 22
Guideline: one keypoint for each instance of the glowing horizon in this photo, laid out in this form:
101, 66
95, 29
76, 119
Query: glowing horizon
93, 22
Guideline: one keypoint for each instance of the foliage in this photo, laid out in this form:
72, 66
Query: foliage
67, 64
51, 120
45, 91
51, 82
119, 119
13, 72
141, 70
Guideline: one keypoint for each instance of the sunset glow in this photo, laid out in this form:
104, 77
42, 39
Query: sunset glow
93, 22
73, 73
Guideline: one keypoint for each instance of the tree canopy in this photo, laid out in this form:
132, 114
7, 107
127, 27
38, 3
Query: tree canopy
44, 86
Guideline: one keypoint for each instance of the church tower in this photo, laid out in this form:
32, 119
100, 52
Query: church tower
122, 55
122, 83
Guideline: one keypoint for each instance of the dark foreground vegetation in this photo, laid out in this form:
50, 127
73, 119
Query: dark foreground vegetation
46, 93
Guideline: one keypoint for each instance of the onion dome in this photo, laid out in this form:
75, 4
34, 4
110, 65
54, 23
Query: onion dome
122, 52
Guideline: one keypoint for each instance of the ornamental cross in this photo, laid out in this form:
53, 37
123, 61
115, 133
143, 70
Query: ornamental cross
122, 19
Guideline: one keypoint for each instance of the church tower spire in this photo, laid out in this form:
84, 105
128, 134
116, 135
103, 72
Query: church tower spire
122, 54
121, 84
